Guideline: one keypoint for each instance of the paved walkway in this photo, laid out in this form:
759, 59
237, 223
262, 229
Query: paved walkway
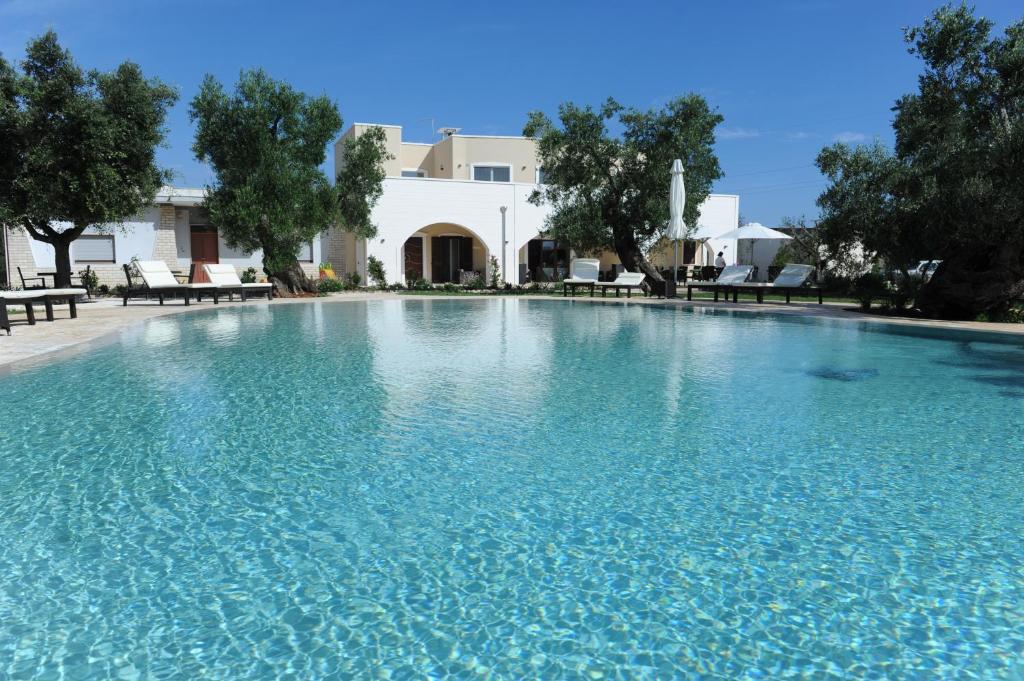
47, 340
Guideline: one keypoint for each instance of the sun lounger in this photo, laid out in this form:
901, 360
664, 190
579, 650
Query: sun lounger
792, 279
625, 280
584, 275
225, 278
728, 278
47, 297
158, 281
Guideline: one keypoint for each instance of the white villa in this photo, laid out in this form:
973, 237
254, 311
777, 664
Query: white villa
446, 208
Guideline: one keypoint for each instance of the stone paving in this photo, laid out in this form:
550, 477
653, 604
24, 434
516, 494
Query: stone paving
46, 341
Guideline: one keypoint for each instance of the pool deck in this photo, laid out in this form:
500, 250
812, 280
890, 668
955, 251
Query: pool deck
46, 341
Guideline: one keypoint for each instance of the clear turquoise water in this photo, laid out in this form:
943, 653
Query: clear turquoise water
513, 489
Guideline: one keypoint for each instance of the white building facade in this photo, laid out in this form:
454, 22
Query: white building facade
175, 229
449, 207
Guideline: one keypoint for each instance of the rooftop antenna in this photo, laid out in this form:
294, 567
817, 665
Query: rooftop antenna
448, 132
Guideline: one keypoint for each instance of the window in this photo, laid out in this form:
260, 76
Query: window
541, 179
492, 173
94, 248
413, 172
306, 253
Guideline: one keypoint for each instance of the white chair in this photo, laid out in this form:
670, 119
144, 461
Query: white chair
625, 280
730, 277
158, 280
225, 278
46, 296
584, 273
792, 279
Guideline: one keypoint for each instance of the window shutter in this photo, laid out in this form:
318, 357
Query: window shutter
94, 248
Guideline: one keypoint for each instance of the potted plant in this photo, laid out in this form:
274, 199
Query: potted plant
327, 271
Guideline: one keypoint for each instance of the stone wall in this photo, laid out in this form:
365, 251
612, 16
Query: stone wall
19, 254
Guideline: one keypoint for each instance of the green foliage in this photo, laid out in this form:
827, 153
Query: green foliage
359, 183
325, 286
495, 272
375, 271
953, 186
77, 147
869, 287
476, 282
249, 275
265, 142
609, 191
352, 280
420, 285
90, 280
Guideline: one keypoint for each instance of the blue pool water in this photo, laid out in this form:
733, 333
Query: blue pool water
513, 489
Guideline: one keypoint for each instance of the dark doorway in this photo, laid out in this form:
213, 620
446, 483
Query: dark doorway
547, 260
204, 251
449, 256
413, 259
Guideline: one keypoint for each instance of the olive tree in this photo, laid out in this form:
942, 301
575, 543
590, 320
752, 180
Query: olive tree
77, 148
610, 191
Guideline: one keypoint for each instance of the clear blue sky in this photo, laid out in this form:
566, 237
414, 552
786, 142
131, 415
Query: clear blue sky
789, 76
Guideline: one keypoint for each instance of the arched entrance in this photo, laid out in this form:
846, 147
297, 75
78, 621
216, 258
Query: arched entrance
444, 252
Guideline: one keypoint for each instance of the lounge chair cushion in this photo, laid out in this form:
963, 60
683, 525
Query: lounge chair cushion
733, 274
585, 270
38, 294
625, 279
156, 274
793, 276
226, 276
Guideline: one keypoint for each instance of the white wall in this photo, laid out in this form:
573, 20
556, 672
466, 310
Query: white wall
136, 238
409, 204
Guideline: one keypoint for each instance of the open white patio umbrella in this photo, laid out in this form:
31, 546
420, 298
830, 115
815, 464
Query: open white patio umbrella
676, 230
702, 234
754, 231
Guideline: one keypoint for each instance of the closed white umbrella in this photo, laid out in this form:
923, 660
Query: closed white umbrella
676, 230
754, 231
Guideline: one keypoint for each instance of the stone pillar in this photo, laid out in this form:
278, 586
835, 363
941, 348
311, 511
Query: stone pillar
165, 246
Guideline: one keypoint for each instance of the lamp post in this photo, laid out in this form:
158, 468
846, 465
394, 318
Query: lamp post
504, 273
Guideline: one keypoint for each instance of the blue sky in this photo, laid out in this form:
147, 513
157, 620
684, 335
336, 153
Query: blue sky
789, 76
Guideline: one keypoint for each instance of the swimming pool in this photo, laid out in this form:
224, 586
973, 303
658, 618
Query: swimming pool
514, 488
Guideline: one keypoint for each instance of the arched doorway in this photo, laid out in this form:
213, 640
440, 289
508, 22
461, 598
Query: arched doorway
444, 253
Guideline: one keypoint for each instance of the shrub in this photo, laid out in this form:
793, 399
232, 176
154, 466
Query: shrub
90, 280
325, 286
352, 281
420, 285
104, 289
495, 272
375, 270
397, 286
249, 275
476, 283
869, 287
903, 290
449, 287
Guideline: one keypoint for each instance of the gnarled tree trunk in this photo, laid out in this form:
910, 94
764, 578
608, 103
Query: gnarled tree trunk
976, 280
632, 257
291, 280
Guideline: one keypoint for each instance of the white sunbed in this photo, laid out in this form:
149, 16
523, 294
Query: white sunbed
792, 279
625, 280
584, 274
730, 277
46, 296
159, 281
225, 278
